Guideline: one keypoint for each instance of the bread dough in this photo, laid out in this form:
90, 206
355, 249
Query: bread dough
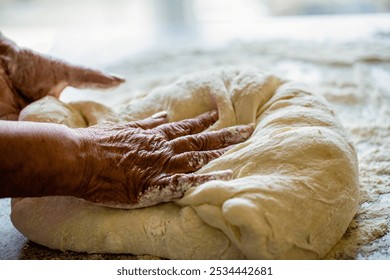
294, 194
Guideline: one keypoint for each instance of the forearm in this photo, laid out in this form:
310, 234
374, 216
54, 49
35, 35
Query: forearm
39, 159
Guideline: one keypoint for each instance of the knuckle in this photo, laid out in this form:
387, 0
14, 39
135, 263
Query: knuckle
183, 128
224, 136
228, 136
196, 162
176, 163
198, 143
200, 159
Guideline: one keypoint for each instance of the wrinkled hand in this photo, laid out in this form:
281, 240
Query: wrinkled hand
151, 161
26, 76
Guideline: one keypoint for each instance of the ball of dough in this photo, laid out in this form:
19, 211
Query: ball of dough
294, 192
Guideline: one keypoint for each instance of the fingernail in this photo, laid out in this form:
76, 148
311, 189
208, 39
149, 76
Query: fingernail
118, 78
160, 115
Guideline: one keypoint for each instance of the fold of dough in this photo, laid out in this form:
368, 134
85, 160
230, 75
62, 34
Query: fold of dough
294, 194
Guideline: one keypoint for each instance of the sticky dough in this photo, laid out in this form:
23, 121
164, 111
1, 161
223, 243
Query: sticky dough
294, 194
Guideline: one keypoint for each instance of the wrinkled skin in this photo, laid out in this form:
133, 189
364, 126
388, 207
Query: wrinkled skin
26, 76
152, 161
130, 165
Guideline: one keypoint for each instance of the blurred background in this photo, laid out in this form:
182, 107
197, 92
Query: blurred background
101, 31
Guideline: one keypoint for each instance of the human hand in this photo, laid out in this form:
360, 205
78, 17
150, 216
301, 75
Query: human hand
143, 163
26, 76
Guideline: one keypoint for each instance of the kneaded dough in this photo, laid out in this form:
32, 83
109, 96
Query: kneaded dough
294, 192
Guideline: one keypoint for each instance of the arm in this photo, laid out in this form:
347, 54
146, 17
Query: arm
39, 159
129, 165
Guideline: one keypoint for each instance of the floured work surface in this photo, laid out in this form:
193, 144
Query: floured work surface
359, 96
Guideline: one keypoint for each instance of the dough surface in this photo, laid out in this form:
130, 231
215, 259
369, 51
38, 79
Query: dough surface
294, 194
